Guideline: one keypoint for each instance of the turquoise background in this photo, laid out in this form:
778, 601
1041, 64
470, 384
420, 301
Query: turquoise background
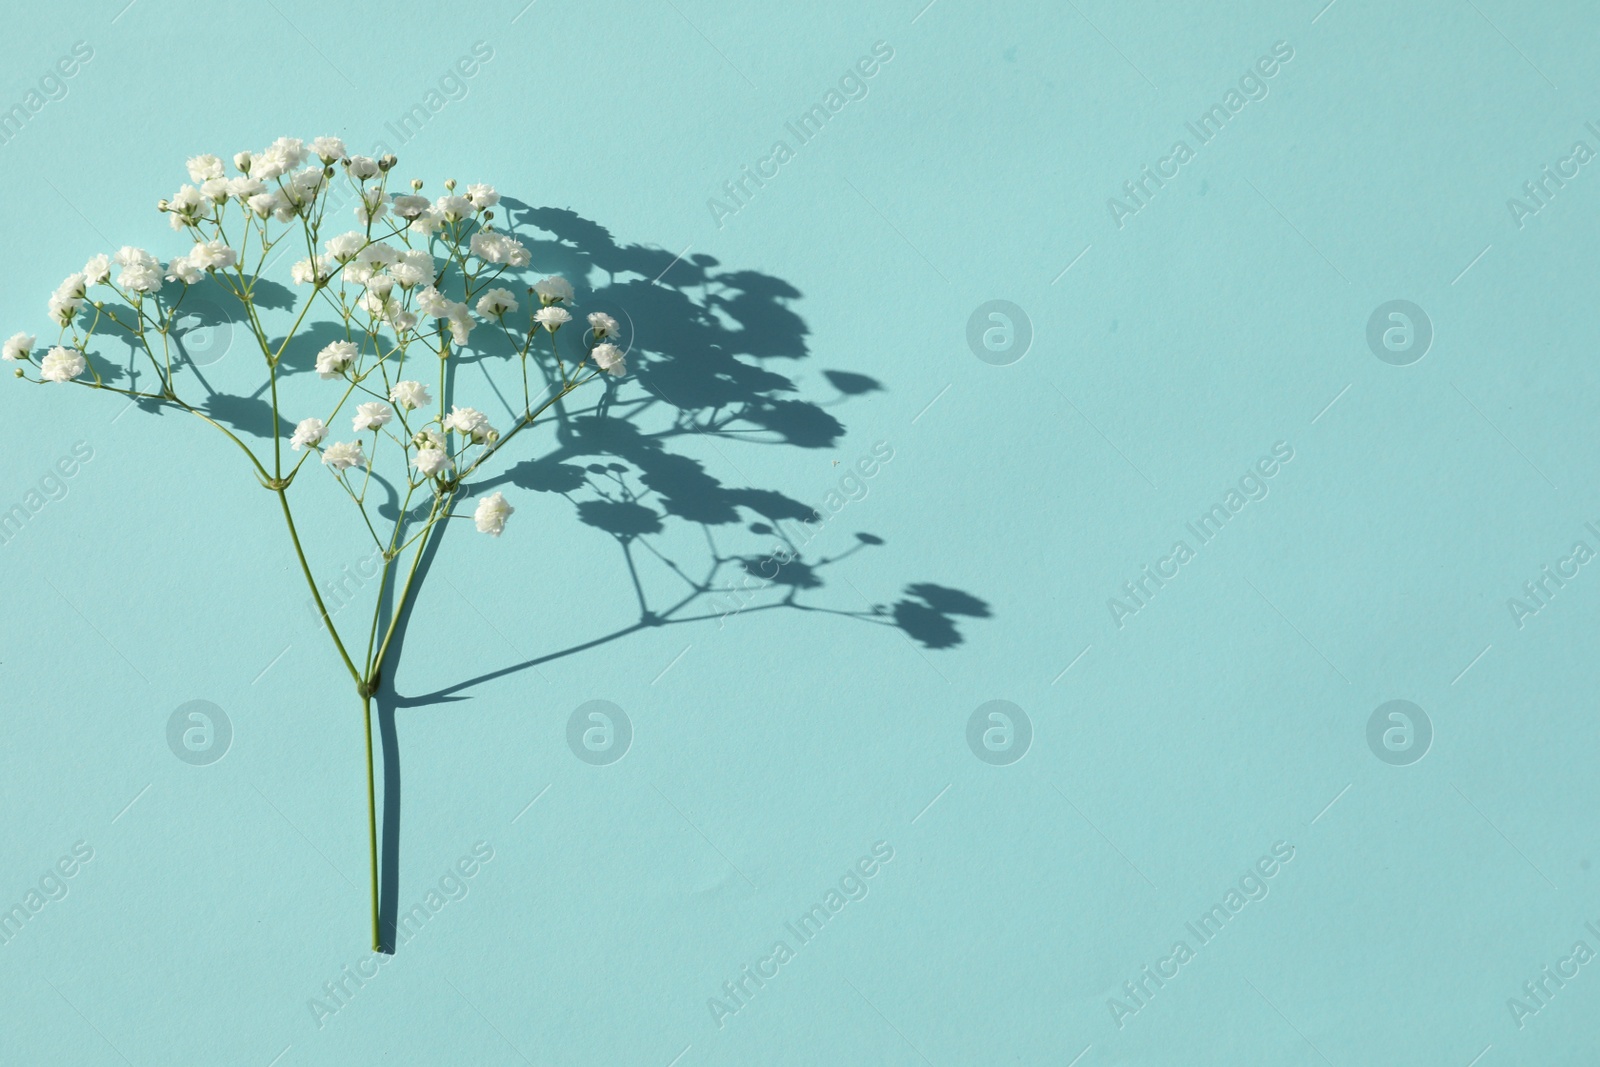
771, 752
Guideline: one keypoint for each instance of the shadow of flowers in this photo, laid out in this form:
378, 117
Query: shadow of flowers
712, 357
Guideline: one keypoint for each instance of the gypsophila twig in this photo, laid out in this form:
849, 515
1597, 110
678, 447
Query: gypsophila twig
413, 281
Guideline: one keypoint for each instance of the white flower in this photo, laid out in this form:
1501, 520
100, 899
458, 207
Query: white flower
379, 254
496, 302
62, 364
184, 269
380, 286
342, 455
97, 270
461, 323
371, 415
409, 207
453, 208
213, 255
242, 189
345, 246
363, 167
430, 461
308, 432
263, 203
470, 422
72, 286
407, 274
482, 196
426, 223
379, 307
492, 513
608, 357
278, 159
188, 206
242, 160
492, 246
328, 149
129, 256
215, 188
18, 345
291, 148
204, 167
141, 272
268, 166
141, 278
604, 325
64, 309
299, 193
374, 205
433, 303
487, 246
358, 272
401, 320
336, 358
305, 272
552, 318
554, 289
67, 299
409, 395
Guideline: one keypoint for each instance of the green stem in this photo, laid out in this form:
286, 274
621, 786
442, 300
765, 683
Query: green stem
399, 606
305, 568
372, 822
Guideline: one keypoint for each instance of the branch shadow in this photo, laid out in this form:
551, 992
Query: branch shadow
716, 359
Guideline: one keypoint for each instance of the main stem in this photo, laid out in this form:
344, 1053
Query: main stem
368, 686
372, 823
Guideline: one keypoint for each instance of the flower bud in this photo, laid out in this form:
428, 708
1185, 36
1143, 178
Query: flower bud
416, 184
243, 161
450, 184
386, 162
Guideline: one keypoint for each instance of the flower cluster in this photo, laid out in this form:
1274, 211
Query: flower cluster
406, 291
412, 278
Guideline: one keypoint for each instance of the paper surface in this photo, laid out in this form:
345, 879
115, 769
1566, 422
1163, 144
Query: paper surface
1132, 485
